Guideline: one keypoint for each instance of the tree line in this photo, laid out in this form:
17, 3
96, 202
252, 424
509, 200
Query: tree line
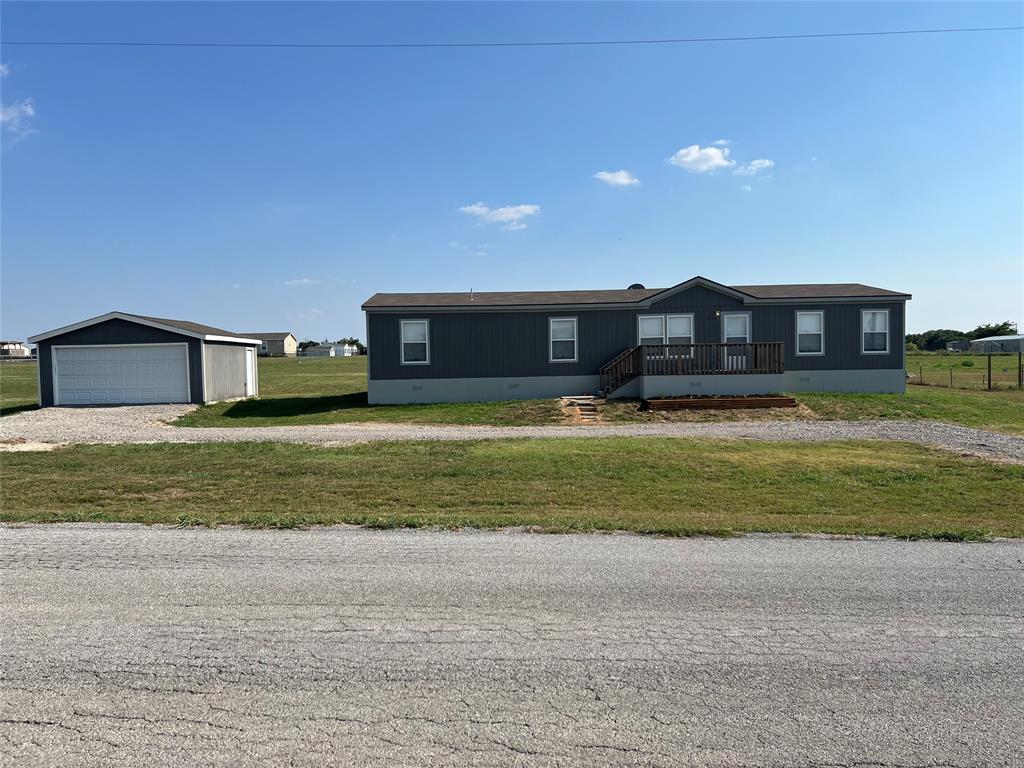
937, 339
352, 340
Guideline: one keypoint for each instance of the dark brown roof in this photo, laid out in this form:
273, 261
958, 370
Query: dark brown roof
187, 325
621, 296
506, 298
276, 336
817, 291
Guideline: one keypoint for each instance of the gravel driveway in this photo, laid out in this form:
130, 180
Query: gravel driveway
148, 424
135, 646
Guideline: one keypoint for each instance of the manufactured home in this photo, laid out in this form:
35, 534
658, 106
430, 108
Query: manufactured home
697, 337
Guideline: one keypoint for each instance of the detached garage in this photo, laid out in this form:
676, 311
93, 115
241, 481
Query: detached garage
122, 359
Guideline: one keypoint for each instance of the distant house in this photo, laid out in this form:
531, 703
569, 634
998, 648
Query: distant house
332, 350
697, 337
276, 344
13, 349
321, 350
1014, 343
958, 346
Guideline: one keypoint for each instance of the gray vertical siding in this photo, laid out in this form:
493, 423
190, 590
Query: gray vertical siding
515, 343
118, 331
225, 370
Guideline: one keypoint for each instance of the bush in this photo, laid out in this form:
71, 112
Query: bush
967, 363
912, 347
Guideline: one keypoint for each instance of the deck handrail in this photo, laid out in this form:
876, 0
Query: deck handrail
620, 370
713, 358
699, 359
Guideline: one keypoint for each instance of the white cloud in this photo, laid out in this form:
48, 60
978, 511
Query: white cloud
721, 142
236, 286
4, 70
697, 159
301, 281
617, 178
309, 314
16, 118
746, 187
754, 167
509, 216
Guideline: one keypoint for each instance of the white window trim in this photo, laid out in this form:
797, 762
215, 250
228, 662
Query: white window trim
888, 334
575, 340
750, 323
639, 322
796, 338
693, 329
664, 326
402, 342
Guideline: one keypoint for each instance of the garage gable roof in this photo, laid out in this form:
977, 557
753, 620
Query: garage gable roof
183, 327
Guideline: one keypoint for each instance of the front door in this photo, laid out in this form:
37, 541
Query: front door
736, 334
250, 372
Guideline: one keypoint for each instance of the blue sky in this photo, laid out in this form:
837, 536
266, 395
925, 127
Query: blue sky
262, 189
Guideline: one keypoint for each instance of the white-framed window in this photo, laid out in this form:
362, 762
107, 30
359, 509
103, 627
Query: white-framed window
736, 327
651, 329
415, 342
810, 333
874, 331
679, 329
562, 340
263, 346
665, 329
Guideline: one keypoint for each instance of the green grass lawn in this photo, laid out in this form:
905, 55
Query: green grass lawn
19, 387
329, 390
654, 485
969, 371
333, 391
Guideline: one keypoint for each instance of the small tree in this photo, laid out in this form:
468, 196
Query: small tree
1006, 328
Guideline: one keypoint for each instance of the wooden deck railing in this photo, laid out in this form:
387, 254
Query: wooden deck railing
692, 360
621, 369
713, 359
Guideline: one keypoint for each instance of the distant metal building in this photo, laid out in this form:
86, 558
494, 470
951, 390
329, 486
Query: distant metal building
1014, 343
321, 350
958, 346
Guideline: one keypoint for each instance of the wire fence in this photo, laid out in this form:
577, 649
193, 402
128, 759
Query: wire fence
989, 372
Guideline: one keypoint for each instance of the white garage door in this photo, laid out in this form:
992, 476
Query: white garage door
154, 373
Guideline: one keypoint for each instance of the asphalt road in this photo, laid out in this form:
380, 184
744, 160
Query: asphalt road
136, 646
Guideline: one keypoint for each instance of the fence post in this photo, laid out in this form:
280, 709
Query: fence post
920, 374
1020, 369
951, 377
990, 371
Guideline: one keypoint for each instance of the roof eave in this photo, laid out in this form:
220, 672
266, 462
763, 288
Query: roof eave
140, 321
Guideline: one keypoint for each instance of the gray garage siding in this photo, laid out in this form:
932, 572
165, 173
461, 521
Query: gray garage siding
118, 331
225, 370
498, 344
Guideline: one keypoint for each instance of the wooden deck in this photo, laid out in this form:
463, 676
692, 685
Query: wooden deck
707, 359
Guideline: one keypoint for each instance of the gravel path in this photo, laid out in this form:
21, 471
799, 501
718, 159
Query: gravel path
148, 424
145, 646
